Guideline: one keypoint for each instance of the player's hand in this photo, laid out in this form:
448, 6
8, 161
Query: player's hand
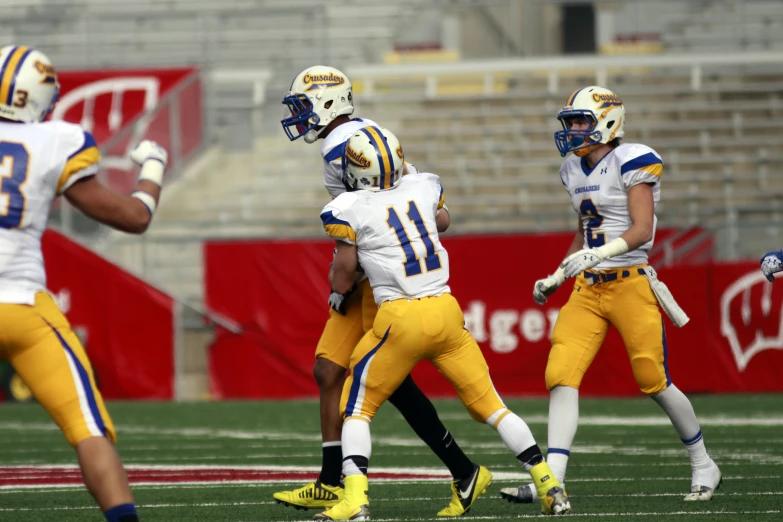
148, 150
580, 261
771, 264
338, 301
547, 286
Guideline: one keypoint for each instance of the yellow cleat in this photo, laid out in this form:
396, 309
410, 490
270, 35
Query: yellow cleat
554, 499
465, 492
355, 505
312, 496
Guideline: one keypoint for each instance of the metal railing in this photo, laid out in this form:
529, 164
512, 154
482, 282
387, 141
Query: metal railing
169, 124
423, 80
164, 124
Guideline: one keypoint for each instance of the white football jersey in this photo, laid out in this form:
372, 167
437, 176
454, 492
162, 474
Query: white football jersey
600, 196
39, 161
395, 235
332, 152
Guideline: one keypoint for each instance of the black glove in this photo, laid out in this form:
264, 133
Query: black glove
339, 301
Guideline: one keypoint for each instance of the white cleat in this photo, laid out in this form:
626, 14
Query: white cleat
704, 483
520, 495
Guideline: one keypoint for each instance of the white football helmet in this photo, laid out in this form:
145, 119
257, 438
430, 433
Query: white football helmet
318, 95
604, 111
28, 84
373, 160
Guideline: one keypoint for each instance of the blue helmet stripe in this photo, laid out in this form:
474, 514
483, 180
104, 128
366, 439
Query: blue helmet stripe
13, 78
382, 151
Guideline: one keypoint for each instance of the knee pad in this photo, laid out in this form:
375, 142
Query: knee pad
558, 370
649, 374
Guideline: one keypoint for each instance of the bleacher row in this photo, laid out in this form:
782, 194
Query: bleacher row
749, 25
280, 35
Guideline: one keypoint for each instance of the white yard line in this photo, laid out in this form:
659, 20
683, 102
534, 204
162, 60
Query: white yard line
497, 517
584, 420
653, 420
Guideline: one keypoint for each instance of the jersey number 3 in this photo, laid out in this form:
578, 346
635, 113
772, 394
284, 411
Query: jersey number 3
412, 263
594, 239
13, 174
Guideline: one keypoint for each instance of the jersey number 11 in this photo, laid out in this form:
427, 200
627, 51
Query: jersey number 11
412, 263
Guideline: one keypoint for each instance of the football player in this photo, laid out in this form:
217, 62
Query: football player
319, 106
40, 160
771, 264
391, 228
614, 188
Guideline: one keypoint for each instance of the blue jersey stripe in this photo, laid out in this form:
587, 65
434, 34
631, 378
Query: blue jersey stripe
328, 219
336, 152
645, 160
89, 141
10, 99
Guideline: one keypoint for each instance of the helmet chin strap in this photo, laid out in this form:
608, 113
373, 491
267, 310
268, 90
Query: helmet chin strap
587, 150
311, 136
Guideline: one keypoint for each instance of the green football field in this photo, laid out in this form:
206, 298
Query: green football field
223, 460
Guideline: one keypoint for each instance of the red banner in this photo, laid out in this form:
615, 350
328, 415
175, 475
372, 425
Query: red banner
105, 101
277, 290
126, 325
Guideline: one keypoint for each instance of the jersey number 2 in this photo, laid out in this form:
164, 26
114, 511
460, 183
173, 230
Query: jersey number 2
13, 173
412, 263
594, 239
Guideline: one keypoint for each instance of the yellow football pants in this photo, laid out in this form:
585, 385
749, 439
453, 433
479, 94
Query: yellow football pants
621, 297
343, 332
47, 355
405, 332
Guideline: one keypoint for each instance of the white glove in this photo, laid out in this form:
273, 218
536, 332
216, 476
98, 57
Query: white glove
152, 158
547, 286
586, 259
771, 264
148, 150
580, 261
338, 301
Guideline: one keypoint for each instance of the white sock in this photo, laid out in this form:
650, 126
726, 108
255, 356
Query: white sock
513, 431
356, 442
680, 412
563, 421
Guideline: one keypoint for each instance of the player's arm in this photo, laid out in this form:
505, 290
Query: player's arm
442, 219
442, 216
99, 202
641, 209
132, 213
342, 276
